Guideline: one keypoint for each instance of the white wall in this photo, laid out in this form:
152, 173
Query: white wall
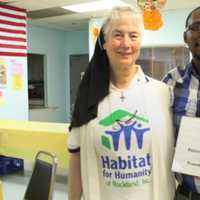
171, 34
14, 103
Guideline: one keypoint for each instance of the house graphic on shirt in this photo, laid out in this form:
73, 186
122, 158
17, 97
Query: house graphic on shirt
123, 125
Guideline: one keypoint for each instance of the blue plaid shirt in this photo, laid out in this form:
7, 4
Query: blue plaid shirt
185, 84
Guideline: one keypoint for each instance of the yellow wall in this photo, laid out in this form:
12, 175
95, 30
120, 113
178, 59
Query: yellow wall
23, 139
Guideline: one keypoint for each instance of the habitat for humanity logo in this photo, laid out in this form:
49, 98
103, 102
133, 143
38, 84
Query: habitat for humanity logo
124, 124
125, 170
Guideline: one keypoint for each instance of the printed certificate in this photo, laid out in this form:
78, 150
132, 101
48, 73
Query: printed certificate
187, 153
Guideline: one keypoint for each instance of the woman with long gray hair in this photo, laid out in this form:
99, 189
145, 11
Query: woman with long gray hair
120, 138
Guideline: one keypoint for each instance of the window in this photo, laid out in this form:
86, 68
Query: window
36, 87
157, 61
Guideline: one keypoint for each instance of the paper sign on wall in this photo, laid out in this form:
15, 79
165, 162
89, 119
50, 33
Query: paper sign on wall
3, 73
17, 75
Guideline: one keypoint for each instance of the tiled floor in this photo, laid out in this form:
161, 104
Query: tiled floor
14, 186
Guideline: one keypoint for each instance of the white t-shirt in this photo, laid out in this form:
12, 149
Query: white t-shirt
122, 143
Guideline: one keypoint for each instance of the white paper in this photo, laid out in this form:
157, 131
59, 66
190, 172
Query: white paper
187, 153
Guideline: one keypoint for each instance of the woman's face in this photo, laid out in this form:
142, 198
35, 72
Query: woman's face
123, 41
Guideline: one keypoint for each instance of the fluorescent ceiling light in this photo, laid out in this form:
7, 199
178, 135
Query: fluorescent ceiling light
95, 5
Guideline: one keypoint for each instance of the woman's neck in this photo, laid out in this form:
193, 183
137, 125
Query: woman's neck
122, 78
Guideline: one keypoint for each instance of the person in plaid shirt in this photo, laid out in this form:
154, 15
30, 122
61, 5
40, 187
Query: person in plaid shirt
185, 84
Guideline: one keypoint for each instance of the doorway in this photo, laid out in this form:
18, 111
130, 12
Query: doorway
78, 65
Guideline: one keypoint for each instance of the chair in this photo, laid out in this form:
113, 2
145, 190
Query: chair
42, 180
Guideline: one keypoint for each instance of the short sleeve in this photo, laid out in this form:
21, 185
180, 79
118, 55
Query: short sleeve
74, 140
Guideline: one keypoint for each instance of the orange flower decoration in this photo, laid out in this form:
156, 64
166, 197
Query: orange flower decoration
95, 33
151, 13
152, 19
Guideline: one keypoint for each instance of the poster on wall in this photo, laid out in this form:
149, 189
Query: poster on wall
17, 75
13, 63
3, 73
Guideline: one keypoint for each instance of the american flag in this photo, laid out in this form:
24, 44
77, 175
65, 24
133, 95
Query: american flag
13, 31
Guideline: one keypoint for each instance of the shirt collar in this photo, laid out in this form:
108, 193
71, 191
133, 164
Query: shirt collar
139, 78
190, 70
